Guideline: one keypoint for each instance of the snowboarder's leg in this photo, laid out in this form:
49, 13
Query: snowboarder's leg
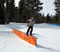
28, 31
31, 31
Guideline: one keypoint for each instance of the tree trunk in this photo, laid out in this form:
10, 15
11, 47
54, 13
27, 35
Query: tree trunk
7, 18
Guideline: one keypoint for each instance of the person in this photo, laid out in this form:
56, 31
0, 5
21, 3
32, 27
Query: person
32, 21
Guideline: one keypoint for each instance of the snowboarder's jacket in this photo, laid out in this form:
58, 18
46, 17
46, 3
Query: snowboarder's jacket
32, 21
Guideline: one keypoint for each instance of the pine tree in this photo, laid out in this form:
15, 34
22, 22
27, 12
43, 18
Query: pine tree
55, 19
16, 18
21, 10
57, 5
48, 18
12, 10
29, 8
7, 11
2, 11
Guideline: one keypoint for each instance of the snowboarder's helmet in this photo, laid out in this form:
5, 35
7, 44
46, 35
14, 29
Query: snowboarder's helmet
32, 18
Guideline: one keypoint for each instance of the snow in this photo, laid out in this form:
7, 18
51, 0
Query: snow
48, 38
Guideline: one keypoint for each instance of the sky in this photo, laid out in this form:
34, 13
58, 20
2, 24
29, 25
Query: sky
16, 2
48, 6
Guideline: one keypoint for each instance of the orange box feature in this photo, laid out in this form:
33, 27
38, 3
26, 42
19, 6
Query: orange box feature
29, 39
22, 35
33, 40
16, 32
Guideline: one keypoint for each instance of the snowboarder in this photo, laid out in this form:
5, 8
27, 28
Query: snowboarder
32, 21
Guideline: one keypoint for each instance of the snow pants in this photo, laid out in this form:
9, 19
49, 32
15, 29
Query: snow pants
30, 27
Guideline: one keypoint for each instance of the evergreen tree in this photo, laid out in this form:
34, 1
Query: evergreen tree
55, 19
12, 10
29, 8
7, 11
2, 18
57, 5
21, 10
16, 18
42, 18
48, 18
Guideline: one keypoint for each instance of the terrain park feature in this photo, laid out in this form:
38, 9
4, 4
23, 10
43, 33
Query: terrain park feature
23, 36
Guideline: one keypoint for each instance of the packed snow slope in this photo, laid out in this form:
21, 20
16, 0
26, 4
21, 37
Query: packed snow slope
48, 38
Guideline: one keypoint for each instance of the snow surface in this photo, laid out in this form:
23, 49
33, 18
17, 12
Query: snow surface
48, 38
